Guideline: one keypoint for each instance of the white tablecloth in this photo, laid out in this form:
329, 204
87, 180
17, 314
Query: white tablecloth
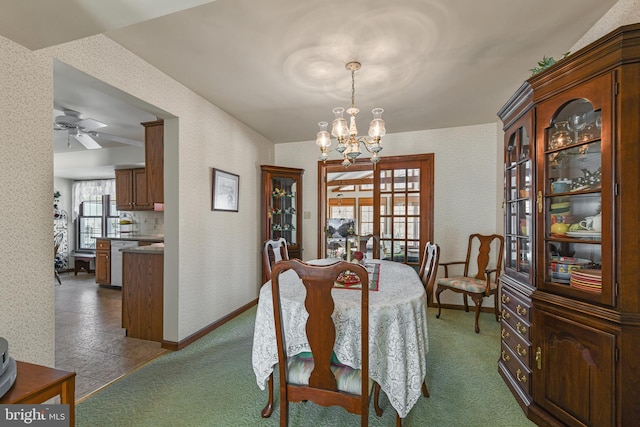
398, 340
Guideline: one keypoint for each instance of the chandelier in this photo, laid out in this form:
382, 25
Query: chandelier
347, 136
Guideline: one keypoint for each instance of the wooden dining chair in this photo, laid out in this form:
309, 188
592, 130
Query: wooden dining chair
484, 282
429, 268
317, 378
274, 251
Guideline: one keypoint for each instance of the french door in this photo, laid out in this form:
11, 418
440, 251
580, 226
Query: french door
402, 194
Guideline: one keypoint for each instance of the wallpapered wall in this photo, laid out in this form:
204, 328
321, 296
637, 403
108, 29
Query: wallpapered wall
26, 211
205, 278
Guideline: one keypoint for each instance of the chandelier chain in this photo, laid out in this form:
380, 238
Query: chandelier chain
353, 88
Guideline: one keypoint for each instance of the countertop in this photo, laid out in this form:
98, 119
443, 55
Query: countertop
152, 250
134, 236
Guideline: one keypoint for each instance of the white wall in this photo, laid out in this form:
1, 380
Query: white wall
205, 277
467, 182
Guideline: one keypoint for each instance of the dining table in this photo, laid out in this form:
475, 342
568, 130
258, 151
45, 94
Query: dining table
398, 341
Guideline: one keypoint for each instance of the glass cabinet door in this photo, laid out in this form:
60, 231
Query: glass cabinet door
575, 196
283, 211
518, 196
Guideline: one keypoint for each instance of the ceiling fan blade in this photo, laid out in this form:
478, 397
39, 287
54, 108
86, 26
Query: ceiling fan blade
120, 139
86, 140
90, 124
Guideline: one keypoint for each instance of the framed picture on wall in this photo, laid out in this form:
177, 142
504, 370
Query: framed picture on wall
225, 187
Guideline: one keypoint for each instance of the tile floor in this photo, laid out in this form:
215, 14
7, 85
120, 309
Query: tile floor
89, 336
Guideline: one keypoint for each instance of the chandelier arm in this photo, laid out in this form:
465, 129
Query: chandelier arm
367, 144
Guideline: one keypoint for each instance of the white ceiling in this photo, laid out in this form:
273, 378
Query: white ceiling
278, 65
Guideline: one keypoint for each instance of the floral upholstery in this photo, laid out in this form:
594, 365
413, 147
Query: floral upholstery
348, 378
468, 284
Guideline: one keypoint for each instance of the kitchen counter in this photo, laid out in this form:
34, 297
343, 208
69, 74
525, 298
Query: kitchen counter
135, 236
152, 250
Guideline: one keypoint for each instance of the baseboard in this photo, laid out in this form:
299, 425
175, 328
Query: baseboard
172, 345
472, 307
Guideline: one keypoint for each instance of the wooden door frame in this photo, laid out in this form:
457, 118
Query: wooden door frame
427, 177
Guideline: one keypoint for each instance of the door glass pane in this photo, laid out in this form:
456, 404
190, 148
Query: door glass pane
283, 209
385, 180
413, 227
414, 179
399, 204
399, 179
399, 228
573, 201
413, 206
511, 252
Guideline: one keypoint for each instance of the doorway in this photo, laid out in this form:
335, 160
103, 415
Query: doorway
391, 202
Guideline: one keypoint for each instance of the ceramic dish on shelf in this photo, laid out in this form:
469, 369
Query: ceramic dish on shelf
561, 277
565, 265
585, 234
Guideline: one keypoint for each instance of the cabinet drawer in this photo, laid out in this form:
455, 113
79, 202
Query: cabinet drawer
516, 304
516, 343
518, 371
516, 322
103, 244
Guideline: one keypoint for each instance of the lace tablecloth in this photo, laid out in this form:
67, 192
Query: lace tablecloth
398, 341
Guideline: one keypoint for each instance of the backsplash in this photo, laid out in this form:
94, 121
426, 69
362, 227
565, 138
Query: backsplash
147, 222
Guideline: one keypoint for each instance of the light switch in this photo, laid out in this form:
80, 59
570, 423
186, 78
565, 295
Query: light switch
307, 215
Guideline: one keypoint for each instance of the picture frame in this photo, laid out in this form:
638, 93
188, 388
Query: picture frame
225, 191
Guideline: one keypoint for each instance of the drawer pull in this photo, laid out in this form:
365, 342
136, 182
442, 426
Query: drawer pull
521, 378
505, 299
506, 315
505, 335
521, 311
505, 356
521, 351
521, 329
539, 358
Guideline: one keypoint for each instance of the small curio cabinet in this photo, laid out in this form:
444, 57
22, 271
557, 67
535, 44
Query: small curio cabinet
570, 295
282, 207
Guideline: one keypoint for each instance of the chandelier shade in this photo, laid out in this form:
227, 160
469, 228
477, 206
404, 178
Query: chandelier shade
346, 134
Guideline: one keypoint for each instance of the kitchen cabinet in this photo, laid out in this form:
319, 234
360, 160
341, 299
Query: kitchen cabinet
281, 214
103, 262
142, 295
154, 160
131, 190
570, 292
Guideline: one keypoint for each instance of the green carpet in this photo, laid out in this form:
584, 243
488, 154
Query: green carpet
211, 383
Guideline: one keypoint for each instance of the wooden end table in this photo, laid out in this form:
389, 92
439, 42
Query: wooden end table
37, 384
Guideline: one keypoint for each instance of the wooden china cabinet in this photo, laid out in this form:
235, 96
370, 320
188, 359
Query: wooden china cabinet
282, 207
570, 292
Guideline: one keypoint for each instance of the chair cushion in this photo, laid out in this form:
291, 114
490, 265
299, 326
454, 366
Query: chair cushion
348, 379
306, 355
468, 284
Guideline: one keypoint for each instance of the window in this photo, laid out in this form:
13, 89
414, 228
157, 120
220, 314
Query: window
98, 218
342, 207
94, 211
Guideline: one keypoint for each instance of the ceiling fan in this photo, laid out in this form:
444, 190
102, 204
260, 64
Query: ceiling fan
85, 130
